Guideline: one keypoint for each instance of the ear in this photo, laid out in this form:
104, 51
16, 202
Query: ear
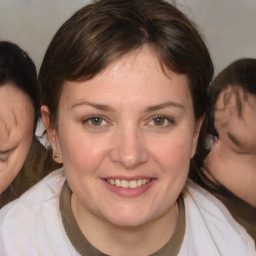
197, 129
52, 134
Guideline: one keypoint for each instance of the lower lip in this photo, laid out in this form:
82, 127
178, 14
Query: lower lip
130, 192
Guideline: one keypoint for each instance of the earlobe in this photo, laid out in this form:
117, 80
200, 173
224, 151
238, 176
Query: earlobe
197, 129
52, 134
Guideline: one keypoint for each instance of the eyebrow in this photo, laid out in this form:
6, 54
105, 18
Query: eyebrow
94, 105
148, 109
163, 105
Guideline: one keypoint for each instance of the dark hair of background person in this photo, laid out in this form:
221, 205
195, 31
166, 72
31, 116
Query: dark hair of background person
242, 73
17, 68
102, 32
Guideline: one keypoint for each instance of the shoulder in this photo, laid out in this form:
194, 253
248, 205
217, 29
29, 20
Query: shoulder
46, 190
197, 199
38, 200
32, 220
210, 226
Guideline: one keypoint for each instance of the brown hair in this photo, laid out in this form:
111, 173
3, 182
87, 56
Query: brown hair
241, 73
101, 32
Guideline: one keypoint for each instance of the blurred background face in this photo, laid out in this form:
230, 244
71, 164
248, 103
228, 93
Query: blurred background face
235, 118
16, 132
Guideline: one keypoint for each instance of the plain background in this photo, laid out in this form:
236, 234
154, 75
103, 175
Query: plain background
228, 26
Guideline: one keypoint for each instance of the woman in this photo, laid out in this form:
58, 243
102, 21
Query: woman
123, 93
229, 168
20, 104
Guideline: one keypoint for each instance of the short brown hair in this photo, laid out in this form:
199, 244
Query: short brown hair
100, 32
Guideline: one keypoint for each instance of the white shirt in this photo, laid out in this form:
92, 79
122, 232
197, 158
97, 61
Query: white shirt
32, 225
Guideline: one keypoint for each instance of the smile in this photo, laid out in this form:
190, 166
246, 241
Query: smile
128, 184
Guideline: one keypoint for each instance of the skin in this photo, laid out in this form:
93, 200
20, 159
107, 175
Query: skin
232, 160
130, 121
16, 132
237, 130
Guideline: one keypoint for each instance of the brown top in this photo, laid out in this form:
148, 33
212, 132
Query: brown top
82, 245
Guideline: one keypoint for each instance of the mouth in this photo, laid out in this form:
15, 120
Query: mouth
129, 187
132, 184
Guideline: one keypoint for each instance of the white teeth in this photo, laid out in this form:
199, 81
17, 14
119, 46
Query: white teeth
139, 183
117, 183
132, 184
128, 184
124, 184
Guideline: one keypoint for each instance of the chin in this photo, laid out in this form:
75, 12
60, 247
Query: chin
128, 218
128, 223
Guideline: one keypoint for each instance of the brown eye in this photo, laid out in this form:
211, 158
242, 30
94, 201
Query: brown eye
96, 121
159, 121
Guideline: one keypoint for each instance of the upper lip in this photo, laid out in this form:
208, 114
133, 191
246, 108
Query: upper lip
127, 178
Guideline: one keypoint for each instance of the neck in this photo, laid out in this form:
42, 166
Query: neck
236, 171
123, 241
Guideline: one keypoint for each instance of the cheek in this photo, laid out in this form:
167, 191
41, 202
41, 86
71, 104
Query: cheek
27, 139
25, 133
220, 119
15, 163
25, 136
82, 153
21, 154
173, 152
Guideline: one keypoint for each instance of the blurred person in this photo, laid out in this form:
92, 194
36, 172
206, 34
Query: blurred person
229, 169
22, 156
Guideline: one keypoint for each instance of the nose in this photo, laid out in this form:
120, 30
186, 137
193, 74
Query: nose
129, 149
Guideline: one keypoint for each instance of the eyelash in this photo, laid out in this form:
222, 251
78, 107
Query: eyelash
166, 118
89, 119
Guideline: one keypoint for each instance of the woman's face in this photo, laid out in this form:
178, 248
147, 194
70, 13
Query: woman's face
16, 131
126, 138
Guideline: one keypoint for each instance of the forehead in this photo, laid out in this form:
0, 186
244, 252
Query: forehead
137, 74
